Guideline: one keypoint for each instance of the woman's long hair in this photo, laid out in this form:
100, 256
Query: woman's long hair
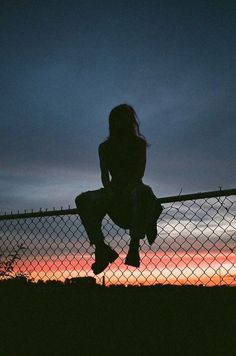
123, 124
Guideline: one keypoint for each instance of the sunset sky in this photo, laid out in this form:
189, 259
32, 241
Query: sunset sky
65, 64
197, 249
209, 268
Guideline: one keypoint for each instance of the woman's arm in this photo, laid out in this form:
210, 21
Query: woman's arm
103, 167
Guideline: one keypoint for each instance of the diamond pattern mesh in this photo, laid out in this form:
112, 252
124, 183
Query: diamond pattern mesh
196, 244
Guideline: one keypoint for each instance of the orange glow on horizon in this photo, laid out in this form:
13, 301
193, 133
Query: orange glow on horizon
207, 268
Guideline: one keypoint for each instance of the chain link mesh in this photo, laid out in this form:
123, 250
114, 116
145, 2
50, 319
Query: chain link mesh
196, 245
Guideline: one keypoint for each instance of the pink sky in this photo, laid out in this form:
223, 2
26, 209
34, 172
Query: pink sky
208, 268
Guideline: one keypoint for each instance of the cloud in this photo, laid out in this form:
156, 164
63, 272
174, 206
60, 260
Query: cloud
62, 73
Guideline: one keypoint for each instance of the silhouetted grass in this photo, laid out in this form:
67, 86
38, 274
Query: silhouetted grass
56, 319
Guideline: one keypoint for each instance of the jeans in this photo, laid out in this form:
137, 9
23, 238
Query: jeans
134, 210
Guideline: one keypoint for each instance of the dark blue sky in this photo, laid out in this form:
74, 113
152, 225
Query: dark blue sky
65, 64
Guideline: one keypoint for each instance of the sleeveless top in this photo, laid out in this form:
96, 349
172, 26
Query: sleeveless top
125, 161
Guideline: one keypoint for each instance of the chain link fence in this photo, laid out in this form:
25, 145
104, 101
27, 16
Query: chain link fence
196, 244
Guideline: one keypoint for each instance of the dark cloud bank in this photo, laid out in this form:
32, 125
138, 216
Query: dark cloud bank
64, 65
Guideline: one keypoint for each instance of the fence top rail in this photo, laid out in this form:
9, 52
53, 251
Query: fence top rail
164, 200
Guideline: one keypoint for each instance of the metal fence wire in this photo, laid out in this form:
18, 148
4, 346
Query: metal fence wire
196, 244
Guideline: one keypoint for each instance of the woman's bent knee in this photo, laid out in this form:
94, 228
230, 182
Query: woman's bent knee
141, 191
91, 203
81, 201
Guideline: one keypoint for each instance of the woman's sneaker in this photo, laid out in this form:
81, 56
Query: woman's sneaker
103, 256
133, 259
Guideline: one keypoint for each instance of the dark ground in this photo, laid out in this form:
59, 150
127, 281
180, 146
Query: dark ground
69, 320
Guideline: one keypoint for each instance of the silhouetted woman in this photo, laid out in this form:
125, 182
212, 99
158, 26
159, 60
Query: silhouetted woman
129, 203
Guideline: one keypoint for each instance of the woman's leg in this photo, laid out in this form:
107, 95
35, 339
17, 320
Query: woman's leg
140, 208
92, 207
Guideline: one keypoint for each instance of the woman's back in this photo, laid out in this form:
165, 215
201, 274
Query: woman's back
125, 160
125, 198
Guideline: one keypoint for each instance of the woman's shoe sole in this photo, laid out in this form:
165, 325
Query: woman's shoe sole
109, 257
132, 262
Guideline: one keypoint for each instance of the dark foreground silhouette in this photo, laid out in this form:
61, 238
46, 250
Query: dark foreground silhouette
56, 319
129, 202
